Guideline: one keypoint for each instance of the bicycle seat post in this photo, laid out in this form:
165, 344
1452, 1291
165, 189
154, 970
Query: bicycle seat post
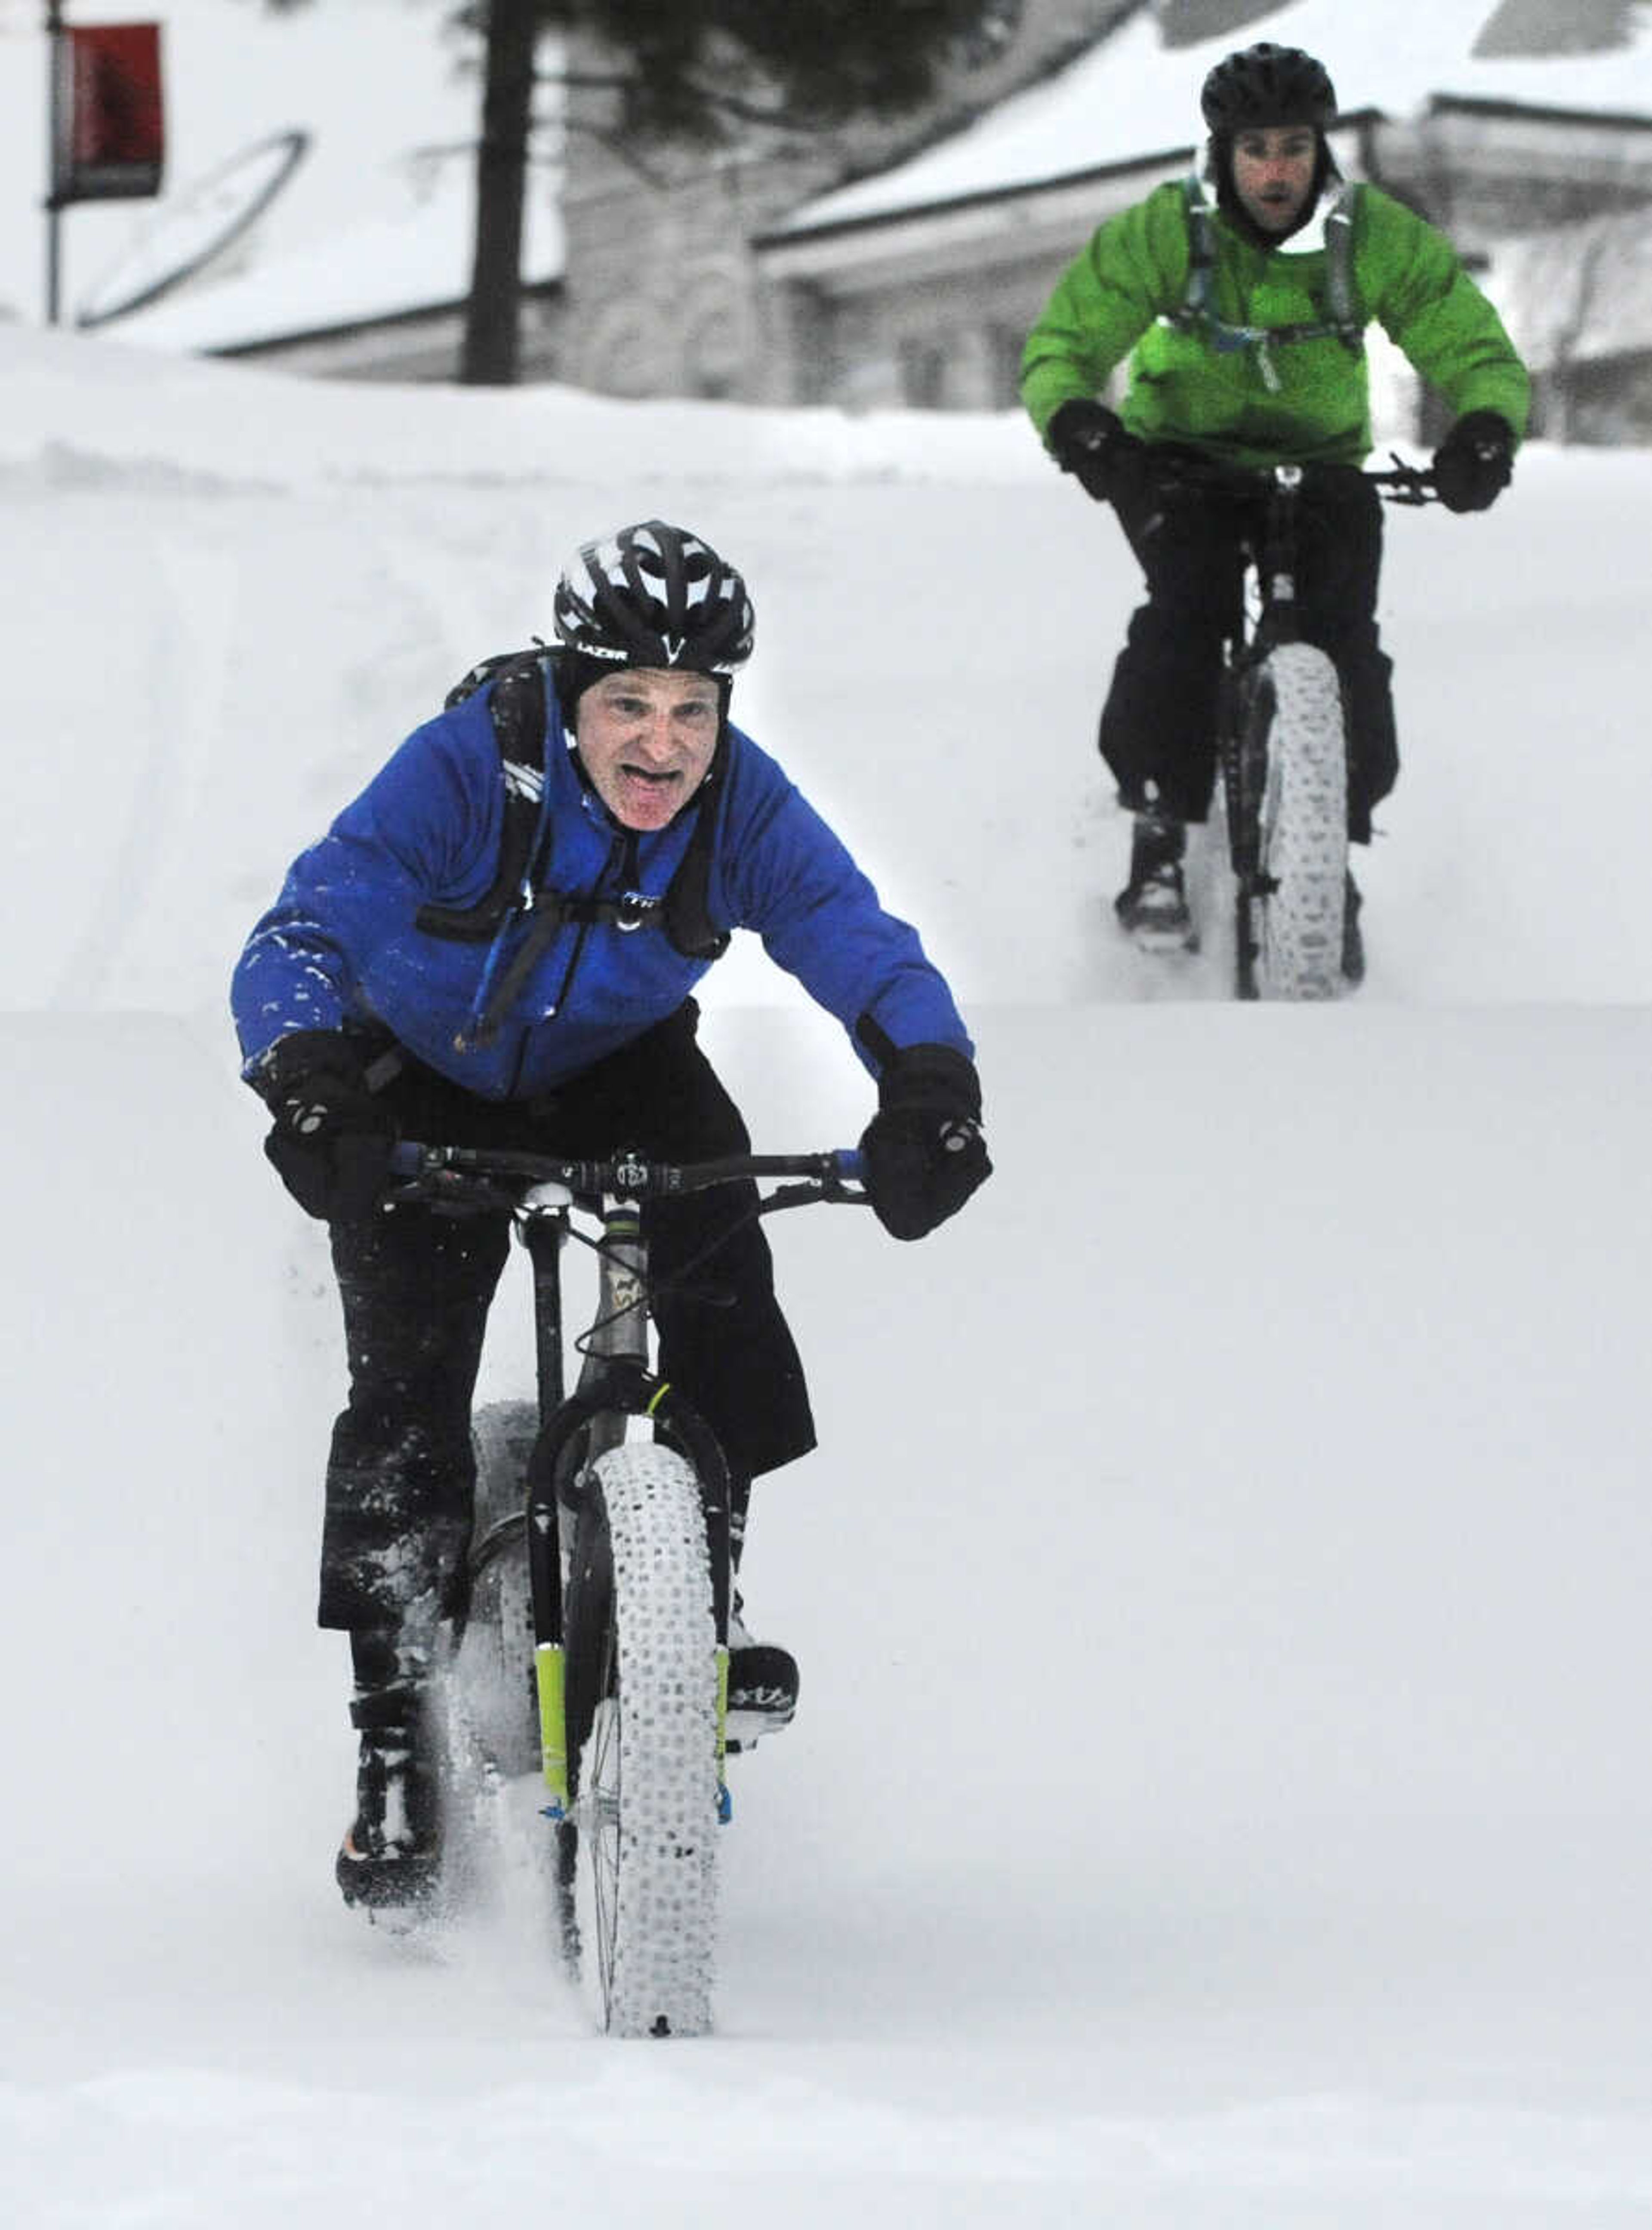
544, 1233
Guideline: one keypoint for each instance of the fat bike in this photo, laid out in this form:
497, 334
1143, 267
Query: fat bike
1279, 842
594, 1649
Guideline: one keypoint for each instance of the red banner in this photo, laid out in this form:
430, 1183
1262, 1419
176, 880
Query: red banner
111, 130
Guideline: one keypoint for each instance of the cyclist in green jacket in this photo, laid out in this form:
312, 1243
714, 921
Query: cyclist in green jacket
1243, 323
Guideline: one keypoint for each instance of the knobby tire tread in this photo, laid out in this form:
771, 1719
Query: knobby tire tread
1304, 818
642, 1721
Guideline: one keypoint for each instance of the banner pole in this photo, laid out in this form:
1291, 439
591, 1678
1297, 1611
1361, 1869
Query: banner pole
53, 130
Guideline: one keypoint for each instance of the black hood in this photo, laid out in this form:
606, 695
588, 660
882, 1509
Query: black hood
1218, 169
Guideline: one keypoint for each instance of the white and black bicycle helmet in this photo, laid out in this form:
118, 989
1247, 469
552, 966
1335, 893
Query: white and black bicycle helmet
654, 595
1266, 84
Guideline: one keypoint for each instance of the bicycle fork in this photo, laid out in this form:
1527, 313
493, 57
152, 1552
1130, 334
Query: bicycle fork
544, 1233
1246, 713
576, 1430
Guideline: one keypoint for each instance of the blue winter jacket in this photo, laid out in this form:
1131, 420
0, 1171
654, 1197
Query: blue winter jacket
339, 948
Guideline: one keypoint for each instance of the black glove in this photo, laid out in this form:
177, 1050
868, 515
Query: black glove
923, 1152
331, 1139
1475, 461
1088, 440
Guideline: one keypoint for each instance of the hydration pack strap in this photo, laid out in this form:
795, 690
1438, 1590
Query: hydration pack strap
1197, 313
517, 707
547, 914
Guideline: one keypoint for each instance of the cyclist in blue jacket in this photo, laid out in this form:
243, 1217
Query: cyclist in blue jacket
414, 978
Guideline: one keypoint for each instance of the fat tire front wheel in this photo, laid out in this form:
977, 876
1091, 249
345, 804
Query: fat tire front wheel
639, 1856
1296, 919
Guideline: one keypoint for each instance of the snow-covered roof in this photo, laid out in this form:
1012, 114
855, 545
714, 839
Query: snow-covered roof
390, 267
373, 222
1131, 97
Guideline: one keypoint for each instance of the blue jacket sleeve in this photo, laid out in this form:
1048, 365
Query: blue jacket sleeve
793, 881
427, 827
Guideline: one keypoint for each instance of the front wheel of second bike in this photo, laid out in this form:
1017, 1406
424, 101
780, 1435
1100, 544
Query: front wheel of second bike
637, 1865
1293, 746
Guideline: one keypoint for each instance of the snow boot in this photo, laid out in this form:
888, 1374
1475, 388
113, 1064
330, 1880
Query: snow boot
762, 1685
390, 1859
1153, 905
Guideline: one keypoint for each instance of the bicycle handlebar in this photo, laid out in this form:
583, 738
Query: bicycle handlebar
1187, 469
1403, 483
625, 1176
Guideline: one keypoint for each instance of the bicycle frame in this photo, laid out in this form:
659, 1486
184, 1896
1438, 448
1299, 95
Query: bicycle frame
616, 1382
1269, 616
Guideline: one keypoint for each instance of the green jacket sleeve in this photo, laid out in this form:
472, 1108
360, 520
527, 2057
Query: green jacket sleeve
1134, 268
1432, 310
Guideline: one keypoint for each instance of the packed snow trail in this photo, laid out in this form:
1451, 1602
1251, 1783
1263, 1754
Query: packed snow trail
1220, 1588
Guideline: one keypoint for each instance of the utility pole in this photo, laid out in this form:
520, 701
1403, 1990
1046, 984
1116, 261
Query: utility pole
54, 131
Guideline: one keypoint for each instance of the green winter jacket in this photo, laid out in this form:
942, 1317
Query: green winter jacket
1115, 297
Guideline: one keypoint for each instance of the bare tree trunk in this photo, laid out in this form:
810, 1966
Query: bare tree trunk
492, 352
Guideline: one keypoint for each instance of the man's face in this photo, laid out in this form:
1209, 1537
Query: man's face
1273, 174
647, 738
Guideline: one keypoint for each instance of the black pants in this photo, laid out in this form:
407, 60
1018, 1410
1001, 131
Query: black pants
416, 1288
1157, 728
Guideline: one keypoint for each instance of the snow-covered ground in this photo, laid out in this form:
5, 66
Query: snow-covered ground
1219, 1796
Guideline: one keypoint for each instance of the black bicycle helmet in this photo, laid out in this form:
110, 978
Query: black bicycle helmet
1267, 85
654, 595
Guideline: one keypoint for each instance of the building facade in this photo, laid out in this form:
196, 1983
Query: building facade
664, 289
